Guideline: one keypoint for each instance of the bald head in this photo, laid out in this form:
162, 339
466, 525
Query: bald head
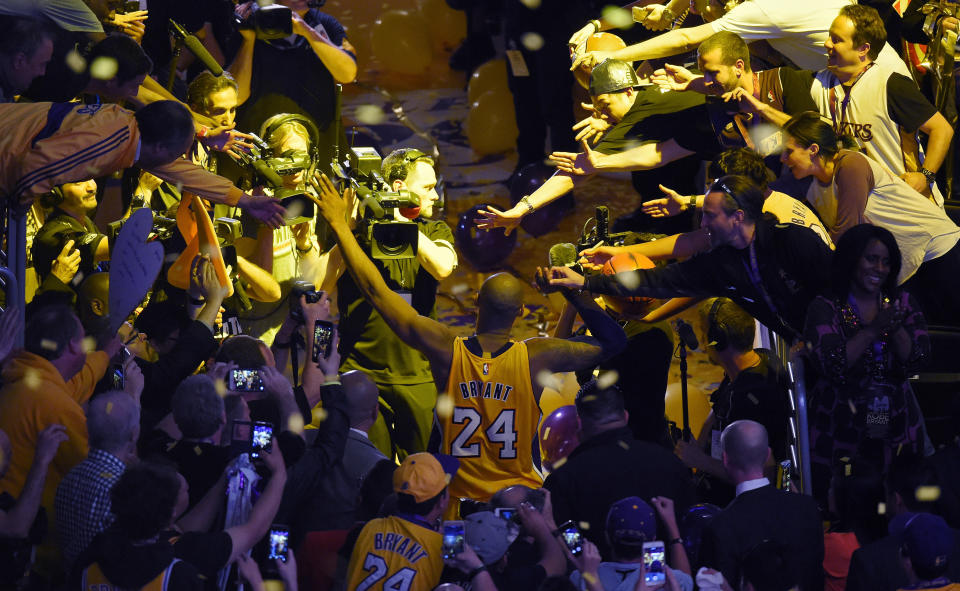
501, 298
113, 422
94, 294
362, 395
745, 446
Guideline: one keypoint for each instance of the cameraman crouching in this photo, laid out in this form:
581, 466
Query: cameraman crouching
68, 230
402, 374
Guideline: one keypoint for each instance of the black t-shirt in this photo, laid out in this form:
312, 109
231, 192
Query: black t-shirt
906, 104
655, 117
366, 341
760, 394
201, 464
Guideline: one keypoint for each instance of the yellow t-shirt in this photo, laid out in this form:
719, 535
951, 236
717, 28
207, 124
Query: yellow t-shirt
395, 554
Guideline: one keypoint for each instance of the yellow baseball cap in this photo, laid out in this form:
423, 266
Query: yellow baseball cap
423, 475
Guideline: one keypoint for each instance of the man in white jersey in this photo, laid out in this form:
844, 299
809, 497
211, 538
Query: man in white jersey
881, 108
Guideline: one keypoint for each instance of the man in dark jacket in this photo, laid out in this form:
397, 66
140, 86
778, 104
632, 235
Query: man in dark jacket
610, 464
761, 513
771, 270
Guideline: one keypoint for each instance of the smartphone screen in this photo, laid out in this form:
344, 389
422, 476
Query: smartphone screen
654, 556
572, 538
261, 438
505, 513
246, 380
279, 538
453, 535
322, 339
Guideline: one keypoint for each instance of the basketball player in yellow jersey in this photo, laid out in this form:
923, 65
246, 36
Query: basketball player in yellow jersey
404, 551
489, 376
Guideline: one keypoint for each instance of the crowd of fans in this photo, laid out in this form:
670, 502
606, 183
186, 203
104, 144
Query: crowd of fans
280, 402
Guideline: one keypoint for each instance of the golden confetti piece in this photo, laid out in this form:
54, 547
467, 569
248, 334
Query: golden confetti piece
197, 451
31, 379
75, 61
548, 379
89, 344
881, 508
370, 115
607, 379
584, 525
623, 444
221, 387
318, 415
531, 4
853, 407
295, 423
558, 463
618, 17
444, 406
459, 289
48, 345
753, 399
546, 434
927, 493
589, 578
847, 469
103, 68
532, 41
109, 407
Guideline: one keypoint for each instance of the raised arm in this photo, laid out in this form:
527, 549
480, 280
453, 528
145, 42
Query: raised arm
643, 157
572, 354
555, 187
424, 334
665, 45
341, 64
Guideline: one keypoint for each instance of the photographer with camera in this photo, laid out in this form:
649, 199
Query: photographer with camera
292, 59
72, 203
407, 390
283, 162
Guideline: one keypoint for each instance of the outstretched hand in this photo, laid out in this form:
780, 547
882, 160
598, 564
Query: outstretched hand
591, 128
491, 218
332, 206
590, 60
265, 209
555, 278
673, 77
583, 163
228, 140
668, 206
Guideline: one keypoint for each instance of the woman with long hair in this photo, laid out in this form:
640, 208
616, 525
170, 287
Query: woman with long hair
864, 339
849, 188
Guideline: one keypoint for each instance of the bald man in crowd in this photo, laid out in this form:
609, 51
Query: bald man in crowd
762, 512
337, 494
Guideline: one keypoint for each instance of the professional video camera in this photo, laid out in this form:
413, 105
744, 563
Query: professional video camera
386, 237
272, 21
267, 168
163, 228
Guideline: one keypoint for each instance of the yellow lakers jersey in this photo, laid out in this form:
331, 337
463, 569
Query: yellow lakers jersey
493, 426
394, 553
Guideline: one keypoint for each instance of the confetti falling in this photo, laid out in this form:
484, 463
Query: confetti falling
548, 379
607, 379
89, 345
318, 415
31, 379
48, 345
618, 17
881, 508
532, 41
103, 68
295, 423
75, 61
444, 406
927, 493
531, 4
370, 115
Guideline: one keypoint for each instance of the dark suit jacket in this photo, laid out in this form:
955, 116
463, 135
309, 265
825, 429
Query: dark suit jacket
333, 504
609, 467
761, 514
879, 567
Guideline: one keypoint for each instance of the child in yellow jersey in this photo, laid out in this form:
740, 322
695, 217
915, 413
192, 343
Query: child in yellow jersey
404, 550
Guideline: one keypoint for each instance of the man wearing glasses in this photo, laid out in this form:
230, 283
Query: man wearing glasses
770, 270
402, 374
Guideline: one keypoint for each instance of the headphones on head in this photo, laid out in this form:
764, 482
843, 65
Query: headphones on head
57, 195
716, 329
273, 124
